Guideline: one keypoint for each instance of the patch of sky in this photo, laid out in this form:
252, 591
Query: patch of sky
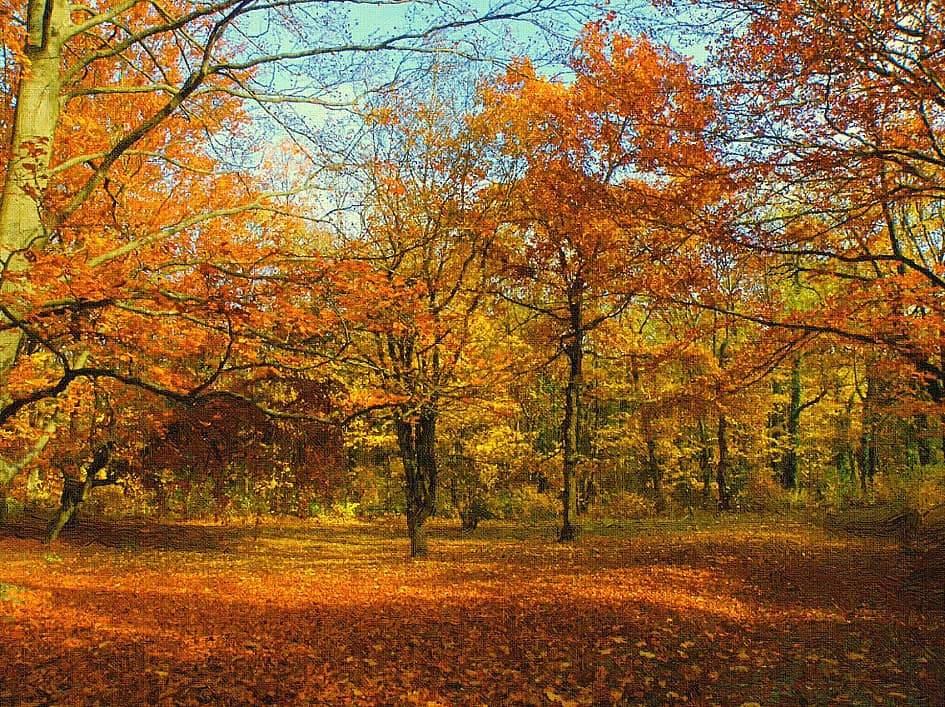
324, 61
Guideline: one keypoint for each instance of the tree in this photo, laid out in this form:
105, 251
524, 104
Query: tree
614, 171
418, 344
116, 170
836, 118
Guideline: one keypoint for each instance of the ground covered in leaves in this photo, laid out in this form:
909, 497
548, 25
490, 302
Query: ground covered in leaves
761, 611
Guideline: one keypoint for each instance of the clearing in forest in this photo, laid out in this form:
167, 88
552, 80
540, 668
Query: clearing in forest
762, 611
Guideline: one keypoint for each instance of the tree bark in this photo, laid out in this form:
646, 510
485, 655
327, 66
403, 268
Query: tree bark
417, 443
705, 464
569, 431
867, 455
721, 469
789, 459
34, 128
656, 473
776, 425
920, 428
9, 469
75, 493
48, 24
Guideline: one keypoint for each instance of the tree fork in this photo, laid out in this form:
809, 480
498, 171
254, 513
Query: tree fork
75, 492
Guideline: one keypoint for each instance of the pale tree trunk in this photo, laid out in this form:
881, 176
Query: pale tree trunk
34, 128
27, 175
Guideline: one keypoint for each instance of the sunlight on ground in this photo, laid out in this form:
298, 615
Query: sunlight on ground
338, 614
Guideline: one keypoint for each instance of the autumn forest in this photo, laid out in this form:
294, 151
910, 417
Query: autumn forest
490, 352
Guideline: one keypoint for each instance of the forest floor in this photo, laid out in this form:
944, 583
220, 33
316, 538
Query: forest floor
765, 610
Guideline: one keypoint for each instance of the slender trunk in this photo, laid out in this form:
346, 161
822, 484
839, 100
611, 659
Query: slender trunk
721, 469
569, 433
776, 425
863, 462
868, 452
454, 493
942, 441
417, 442
923, 443
585, 476
705, 464
656, 474
789, 460
652, 471
845, 458
585, 486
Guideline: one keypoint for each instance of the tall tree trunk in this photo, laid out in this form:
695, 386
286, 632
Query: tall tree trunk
587, 489
845, 458
656, 472
569, 431
776, 429
920, 426
789, 458
941, 424
721, 469
74, 494
867, 460
705, 464
48, 24
585, 478
34, 128
417, 442
868, 455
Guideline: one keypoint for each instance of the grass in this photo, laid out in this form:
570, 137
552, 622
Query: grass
767, 610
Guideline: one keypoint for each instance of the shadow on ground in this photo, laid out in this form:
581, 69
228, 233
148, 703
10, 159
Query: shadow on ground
336, 614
